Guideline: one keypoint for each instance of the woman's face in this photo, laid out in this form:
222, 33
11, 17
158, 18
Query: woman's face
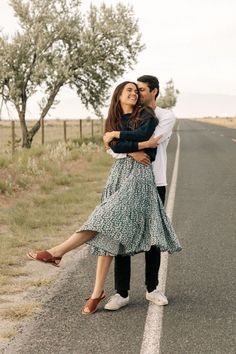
129, 95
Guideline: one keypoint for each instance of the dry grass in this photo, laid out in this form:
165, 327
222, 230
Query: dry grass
48, 191
64, 185
15, 272
8, 334
225, 122
11, 288
42, 282
20, 312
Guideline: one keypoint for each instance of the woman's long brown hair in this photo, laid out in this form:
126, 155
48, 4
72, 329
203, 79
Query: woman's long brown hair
113, 121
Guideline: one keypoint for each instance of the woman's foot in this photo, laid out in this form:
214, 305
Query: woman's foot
91, 304
45, 257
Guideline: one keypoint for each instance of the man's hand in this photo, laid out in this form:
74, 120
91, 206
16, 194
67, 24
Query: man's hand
151, 143
141, 157
154, 142
107, 137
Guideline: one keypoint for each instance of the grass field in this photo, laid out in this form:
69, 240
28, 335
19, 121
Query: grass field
42, 192
45, 194
45, 189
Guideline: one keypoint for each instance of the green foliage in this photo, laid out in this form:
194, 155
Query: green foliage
58, 46
169, 98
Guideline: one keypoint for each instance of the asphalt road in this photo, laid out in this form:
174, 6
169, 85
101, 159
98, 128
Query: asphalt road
200, 281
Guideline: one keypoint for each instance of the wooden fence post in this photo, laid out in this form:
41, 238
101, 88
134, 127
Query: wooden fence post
80, 129
13, 136
42, 127
64, 129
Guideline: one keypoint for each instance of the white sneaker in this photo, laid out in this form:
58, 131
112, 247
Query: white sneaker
116, 302
157, 297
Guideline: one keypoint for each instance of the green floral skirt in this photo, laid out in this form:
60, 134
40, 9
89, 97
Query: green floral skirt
131, 217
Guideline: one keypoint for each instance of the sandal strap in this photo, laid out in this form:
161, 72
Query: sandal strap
91, 304
46, 256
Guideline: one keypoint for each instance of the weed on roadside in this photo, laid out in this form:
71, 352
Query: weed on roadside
20, 312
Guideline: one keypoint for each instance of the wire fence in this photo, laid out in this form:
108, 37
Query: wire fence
50, 131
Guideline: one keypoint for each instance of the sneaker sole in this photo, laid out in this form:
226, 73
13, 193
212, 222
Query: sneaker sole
158, 303
115, 309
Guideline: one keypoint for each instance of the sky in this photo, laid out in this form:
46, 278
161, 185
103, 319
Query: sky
192, 42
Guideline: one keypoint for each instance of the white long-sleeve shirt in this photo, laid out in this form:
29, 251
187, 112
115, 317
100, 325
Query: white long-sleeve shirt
167, 121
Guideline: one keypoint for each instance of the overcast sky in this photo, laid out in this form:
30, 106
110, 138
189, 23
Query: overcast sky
193, 42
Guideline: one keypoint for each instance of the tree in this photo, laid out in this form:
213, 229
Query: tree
169, 99
57, 45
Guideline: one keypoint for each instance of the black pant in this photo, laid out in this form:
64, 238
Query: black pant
152, 263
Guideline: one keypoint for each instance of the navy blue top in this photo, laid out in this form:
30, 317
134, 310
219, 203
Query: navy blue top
129, 139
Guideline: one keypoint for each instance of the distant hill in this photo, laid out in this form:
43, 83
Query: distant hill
194, 105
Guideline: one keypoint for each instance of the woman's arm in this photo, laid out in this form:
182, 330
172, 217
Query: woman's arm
142, 133
133, 146
125, 146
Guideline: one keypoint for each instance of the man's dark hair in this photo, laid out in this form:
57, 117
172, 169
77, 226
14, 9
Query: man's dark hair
151, 81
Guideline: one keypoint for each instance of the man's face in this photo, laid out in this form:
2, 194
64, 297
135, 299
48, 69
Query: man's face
147, 97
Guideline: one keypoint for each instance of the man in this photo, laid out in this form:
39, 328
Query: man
149, 89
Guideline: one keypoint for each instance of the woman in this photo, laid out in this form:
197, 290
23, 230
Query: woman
130, 218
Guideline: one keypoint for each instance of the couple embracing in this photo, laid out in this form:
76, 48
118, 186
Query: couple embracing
130, 218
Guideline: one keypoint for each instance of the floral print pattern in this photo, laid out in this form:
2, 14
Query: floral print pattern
131, 217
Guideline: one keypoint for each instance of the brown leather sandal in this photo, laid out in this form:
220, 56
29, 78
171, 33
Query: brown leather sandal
45, 257
92, 304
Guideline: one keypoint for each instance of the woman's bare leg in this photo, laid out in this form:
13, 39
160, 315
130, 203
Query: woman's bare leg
103, 265
75, 240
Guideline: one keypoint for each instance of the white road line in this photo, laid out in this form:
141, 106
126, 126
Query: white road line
153, 325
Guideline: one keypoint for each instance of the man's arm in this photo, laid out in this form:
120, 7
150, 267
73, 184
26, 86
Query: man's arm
116, 155
139, 156
134, 150
167, 121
